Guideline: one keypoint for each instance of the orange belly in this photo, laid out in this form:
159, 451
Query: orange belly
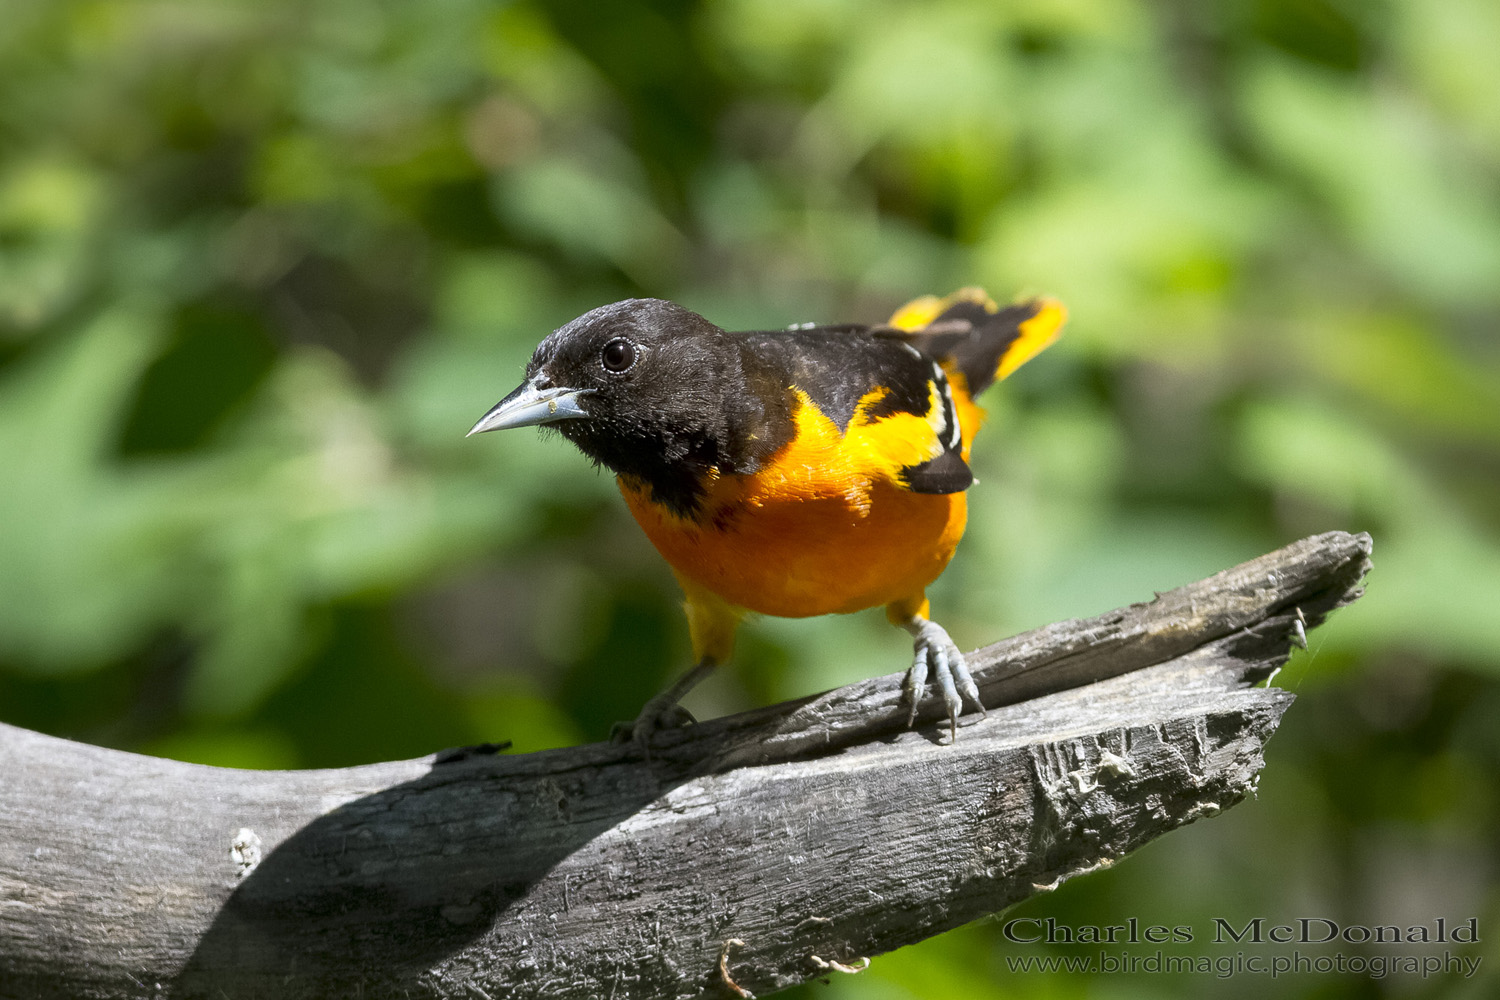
798, 555
824, 527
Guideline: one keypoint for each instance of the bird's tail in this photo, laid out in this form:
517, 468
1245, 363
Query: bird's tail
972, 336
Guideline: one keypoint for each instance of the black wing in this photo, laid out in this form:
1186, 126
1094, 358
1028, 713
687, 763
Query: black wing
838, 367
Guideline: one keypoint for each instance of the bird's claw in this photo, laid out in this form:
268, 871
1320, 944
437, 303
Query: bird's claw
653, 717
935, 651
663, 711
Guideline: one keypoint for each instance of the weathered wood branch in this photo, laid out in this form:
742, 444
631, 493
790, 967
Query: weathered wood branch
815, 828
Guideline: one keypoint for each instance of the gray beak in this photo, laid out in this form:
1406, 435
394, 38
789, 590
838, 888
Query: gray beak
528, 405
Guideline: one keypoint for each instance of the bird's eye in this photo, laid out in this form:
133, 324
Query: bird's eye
618, 355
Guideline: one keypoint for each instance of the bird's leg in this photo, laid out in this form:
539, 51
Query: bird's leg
663, 711
936, 652
712, 622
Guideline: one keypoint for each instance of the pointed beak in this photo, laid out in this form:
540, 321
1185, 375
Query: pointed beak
528, 405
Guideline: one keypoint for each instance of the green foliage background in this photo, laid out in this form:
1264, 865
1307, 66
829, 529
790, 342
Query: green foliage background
263, 262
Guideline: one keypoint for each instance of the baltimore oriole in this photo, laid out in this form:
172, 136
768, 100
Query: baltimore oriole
795, 472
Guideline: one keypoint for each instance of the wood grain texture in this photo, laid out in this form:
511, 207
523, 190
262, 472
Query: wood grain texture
815, 828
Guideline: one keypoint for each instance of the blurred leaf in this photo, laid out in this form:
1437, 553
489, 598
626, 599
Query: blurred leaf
589, 214
1404, 191
48, 209
1447, 48
526, 718
80, 541
1437, 576
261, 749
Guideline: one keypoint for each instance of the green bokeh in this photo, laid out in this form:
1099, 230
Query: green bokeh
263, 263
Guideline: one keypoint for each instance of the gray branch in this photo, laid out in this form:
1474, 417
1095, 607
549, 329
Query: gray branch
814, 832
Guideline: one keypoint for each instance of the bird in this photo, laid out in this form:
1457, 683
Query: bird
803, 471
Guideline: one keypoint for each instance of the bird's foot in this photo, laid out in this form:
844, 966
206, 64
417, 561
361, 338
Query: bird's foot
663, 711
653, 718
937, 653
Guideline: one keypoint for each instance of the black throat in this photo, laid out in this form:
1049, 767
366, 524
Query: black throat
674, 464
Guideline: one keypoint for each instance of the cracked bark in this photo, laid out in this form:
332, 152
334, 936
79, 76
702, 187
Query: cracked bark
803, 830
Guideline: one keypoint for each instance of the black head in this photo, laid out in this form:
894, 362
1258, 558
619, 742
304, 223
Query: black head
643, 386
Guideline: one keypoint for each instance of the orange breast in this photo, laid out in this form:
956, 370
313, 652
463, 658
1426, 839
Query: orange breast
823, 527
